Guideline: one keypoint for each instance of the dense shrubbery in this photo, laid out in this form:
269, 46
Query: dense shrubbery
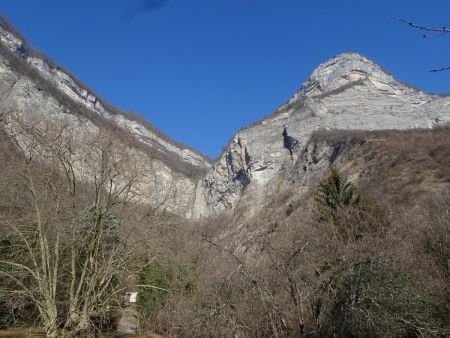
342, 262
375, 297
359, 273
353, 216
154, 282
68, 235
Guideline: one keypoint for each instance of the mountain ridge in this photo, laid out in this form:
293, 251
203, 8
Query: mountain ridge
22, 45
297, 96
18, 44
348, 91
36, 94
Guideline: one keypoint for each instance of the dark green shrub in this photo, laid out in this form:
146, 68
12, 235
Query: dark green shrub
154, 283
334, 192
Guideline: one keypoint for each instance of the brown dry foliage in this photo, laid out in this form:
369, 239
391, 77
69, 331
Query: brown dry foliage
378, 270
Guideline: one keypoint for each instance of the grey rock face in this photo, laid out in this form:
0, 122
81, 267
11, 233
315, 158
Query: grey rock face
347, 92
37, 91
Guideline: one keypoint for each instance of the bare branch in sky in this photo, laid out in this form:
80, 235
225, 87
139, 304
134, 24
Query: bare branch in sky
439, 32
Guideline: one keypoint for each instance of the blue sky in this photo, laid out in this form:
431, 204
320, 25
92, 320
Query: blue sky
201, 69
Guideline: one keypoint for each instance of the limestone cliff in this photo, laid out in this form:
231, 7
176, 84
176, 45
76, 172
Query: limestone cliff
347, 92
33, 88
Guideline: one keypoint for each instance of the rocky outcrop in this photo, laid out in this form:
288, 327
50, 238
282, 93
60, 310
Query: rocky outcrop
347, 92
33, 88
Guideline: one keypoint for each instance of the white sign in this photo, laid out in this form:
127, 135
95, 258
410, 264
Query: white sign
133, 297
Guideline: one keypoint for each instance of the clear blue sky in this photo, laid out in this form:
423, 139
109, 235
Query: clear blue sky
201, 69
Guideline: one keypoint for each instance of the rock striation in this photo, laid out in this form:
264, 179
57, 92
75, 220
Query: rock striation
347, 92
35, 89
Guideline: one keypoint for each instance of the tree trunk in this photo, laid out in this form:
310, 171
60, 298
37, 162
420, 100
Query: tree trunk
84, 323
51, 330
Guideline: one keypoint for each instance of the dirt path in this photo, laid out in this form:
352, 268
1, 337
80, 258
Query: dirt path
129, 322
22, 333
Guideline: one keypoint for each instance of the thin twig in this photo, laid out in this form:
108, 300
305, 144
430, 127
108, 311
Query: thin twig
444, 29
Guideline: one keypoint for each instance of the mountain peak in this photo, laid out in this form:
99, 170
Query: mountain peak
339, 71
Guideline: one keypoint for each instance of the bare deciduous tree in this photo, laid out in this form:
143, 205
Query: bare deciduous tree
68, 224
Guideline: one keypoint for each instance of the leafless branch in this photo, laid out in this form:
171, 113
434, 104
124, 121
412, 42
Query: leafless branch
443, 29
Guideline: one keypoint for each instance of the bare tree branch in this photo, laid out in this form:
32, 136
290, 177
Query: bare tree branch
440, 32
443, 29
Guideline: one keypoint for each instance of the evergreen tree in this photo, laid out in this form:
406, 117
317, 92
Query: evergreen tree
334, 192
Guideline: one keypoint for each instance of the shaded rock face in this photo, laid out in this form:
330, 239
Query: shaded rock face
37, 91
347, 92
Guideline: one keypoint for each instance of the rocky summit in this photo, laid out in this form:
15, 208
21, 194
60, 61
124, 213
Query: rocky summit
347, 92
